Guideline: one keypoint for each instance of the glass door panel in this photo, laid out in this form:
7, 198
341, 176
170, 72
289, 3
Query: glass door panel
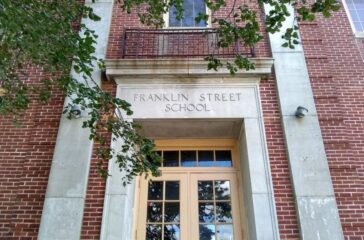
214, 199
189, 205
163, 209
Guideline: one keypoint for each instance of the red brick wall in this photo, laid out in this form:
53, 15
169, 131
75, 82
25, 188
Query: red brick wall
283, 192
26, 153
94, 204
25, 157
337, 75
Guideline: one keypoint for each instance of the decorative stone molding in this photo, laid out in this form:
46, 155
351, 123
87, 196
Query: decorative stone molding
124, 68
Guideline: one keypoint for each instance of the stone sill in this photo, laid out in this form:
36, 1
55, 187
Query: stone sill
144, 68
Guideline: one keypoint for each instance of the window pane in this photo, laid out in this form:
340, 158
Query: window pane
360, 5
361, 15
350, 4
155, 191
206, 212
223, 212
200, 7
154, 212
171, 232
224, 232
156, 163
356, 11
354, 17
170, 159
188, 19
205, 191
172, 190
222, 190
154, 232
358, 26
205, 158
188, 158
173, 22
171, 212
191, 9
207, 232
160, 155
223, 159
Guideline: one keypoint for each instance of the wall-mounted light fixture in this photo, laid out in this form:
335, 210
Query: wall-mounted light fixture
75, 112
301, 112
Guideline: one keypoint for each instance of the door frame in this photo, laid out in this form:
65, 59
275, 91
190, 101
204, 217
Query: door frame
190, 176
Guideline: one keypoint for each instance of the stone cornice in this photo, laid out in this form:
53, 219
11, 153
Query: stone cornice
147, 68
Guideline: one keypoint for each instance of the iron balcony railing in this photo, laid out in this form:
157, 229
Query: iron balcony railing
178, 43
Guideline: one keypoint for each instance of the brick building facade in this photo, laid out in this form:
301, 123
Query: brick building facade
297, 178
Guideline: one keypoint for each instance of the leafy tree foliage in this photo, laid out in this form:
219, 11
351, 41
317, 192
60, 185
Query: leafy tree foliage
44, 34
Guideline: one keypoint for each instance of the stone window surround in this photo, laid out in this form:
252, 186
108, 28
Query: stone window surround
258, 191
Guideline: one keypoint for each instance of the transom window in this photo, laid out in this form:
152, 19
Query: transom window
191, 10
356, 12
196, 158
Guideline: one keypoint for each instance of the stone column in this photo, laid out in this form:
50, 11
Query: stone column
66, 191
257, 182
318, 215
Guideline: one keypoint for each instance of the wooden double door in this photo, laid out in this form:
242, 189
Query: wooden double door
189, 205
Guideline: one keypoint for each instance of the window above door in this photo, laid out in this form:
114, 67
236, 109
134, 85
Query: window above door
196, 158
193, 153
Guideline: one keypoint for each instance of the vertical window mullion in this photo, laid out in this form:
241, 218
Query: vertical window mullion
163, 207
193, 13
162, 156
214, 159
179, 159
214, 204
197, 158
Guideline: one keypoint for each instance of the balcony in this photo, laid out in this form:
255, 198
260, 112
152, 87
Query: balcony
178, 43
170, 55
